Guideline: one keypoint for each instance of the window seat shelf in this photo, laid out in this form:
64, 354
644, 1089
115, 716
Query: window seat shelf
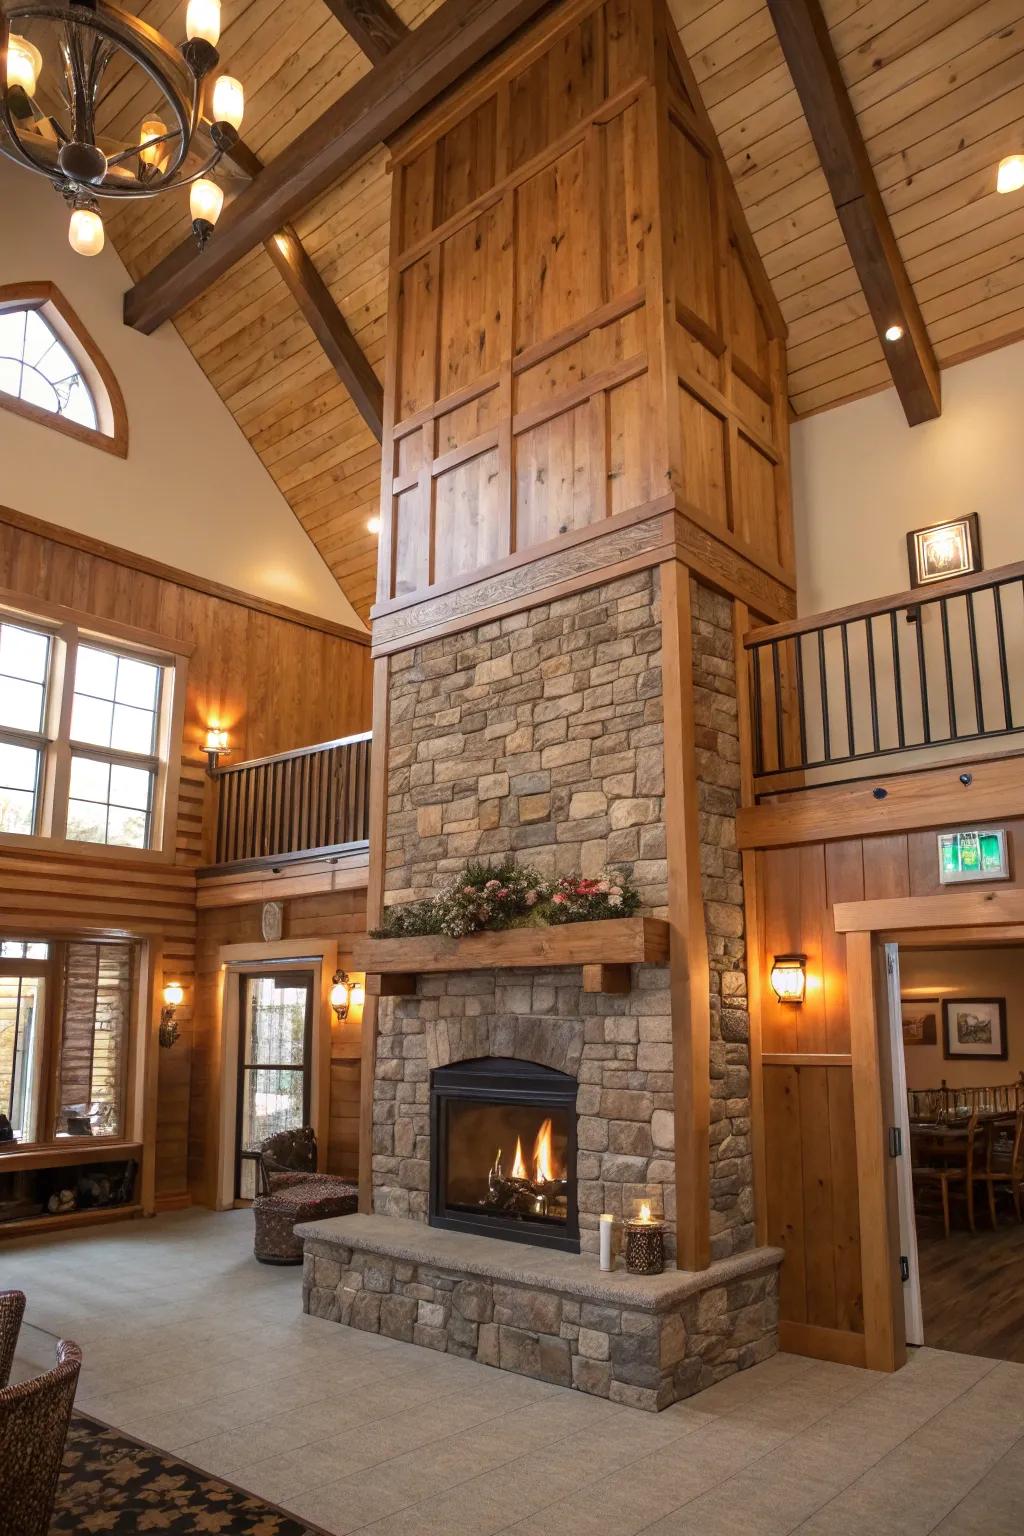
75, 1151
94, 1216
605, 950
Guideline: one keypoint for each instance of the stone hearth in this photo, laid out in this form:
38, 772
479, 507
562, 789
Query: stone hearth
643, 1340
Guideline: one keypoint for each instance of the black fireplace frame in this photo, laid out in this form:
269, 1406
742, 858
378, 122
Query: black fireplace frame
502, 1080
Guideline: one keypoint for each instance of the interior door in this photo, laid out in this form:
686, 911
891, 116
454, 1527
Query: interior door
900, 1133
274, 1064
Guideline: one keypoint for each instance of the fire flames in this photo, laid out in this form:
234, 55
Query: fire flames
543, 1172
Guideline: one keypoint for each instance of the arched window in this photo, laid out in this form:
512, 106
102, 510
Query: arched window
37, 367
53, 373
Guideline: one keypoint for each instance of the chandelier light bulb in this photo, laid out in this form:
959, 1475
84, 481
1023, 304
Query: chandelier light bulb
154, 155
24, 62
228, 101
85, 232
202, 20
1010, 176
206, 200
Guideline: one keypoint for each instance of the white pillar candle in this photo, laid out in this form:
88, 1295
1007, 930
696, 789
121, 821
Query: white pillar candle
606, 1242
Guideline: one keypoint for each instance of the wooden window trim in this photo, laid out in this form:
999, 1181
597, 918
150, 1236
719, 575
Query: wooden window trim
68, 628
112, 433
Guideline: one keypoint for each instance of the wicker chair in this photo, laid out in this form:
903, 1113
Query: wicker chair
291, 1192
12, 1310
34, 1418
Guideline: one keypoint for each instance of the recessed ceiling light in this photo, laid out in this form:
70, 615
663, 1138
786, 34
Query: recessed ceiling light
373, 526
1010, 176
893, 332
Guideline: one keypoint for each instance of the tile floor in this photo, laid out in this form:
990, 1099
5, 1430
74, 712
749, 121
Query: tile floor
191, 1345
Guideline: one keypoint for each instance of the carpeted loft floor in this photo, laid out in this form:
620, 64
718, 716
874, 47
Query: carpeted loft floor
194, 1348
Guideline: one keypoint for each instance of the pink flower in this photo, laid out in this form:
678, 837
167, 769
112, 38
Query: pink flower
493, 885
559, 897
468, 890
531, 898
602, 885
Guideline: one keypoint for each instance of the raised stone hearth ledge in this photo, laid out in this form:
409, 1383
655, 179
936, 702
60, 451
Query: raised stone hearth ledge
643, 1340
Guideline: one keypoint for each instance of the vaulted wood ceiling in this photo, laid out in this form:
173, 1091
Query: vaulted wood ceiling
938, 90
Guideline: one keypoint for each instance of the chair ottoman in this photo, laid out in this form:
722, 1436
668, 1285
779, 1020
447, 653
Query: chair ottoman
309, 1198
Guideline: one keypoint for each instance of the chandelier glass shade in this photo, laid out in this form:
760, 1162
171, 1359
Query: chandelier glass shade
67, 68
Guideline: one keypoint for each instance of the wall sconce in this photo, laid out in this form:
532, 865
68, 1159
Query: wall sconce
215, 747
345, 994
789, 978
174, 996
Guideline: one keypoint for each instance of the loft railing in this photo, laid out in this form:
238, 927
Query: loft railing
933, 668
312, 801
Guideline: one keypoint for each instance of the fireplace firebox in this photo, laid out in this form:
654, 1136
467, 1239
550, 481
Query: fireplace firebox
503, 1151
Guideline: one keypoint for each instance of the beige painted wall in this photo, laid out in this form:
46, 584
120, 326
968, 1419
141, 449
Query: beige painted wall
862, 478
994, 972
191, 493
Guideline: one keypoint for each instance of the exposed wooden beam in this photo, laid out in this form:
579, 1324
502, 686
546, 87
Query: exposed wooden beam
329, 325
372, 24
807, 46
450, 42
325, 319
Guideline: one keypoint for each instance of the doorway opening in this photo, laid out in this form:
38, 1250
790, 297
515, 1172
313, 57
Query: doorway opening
275, 1040
957, 1030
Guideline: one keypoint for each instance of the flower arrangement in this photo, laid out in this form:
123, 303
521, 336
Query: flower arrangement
508, 895
575, 900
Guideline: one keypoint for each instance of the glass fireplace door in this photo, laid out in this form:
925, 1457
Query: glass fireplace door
274, 1040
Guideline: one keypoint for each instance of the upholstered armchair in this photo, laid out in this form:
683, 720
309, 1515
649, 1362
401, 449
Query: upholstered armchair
34, 1417
291, 1192
12, 1310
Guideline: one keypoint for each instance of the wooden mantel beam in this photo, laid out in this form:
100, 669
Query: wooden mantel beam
372, 25
807, 46
450, 42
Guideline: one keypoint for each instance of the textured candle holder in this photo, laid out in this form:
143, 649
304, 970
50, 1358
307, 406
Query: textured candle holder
645, 1247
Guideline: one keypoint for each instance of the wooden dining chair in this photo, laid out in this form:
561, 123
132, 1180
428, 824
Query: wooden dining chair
1003, 1166
949, 1166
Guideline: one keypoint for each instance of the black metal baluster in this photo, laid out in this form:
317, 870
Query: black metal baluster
972, 640
922, 675
798, 651
1004, 673
780, 743
948, 663
823, 682
897, 678
869, 633
844, 636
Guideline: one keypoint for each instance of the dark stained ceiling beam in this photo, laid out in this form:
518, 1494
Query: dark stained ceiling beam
330, 327
325, 319
372, 25
451, 41
807, 46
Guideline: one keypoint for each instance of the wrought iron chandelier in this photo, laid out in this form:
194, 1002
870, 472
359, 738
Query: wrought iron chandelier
55, 126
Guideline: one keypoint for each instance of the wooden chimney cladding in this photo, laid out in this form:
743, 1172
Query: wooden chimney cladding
579, 328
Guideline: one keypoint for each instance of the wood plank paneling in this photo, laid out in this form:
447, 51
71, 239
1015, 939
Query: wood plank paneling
240, 661
338, 915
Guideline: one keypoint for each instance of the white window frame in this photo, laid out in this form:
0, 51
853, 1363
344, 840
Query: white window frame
68, 629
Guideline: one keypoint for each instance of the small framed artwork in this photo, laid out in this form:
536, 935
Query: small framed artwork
944, 550
973, 855
920, 1020
974, 1028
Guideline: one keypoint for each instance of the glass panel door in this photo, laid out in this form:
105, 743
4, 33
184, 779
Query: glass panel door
276, 1023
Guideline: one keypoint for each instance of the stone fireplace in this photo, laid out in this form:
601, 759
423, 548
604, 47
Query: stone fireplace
503, 1151
585, 505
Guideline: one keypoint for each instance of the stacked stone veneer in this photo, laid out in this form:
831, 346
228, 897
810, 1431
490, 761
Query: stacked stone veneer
632, 1354
716, 724
542, 734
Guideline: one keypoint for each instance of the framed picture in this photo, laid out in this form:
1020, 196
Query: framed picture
973, 855
944, 550
974, 1028
920, 1020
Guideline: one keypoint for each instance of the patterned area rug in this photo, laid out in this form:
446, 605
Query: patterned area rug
117, 1486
